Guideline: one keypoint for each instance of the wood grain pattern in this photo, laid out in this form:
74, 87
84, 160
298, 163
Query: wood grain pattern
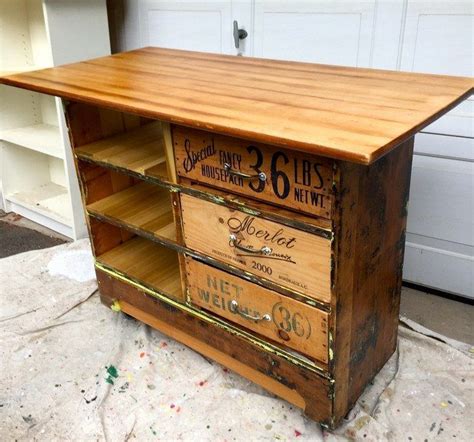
298, 260
147, 262
292, 179
345, 113
143, 206
297, 385
291, 323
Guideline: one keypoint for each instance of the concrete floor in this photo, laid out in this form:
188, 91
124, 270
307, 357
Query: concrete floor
449, 317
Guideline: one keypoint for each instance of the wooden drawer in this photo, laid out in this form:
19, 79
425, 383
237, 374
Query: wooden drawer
282, 319
286, 178
286, 256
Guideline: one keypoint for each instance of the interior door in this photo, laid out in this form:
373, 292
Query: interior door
438, 39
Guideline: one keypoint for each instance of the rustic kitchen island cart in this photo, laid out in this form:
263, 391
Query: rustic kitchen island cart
252, 209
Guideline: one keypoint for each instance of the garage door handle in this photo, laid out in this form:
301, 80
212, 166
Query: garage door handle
239, 34
265, 250
234, 305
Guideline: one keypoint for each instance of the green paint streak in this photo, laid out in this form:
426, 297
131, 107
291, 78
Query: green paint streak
112, 373
109, 380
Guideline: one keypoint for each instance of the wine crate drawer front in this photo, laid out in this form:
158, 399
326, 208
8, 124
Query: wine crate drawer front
282, 319
287, 178
286, 256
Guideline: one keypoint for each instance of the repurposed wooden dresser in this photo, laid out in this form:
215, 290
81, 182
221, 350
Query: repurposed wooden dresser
252, 209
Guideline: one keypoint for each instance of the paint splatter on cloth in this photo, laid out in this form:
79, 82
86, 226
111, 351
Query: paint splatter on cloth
73, 370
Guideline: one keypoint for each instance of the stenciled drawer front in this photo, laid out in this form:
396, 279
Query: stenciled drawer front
282, 319
287, 178
286, 256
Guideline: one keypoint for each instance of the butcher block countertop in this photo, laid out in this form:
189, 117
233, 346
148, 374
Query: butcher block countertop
344, 113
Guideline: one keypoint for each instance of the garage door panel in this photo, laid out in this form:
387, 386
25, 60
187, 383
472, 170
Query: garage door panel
336, 32
459, 121
461, 148
439, 268
199, 26
441, 203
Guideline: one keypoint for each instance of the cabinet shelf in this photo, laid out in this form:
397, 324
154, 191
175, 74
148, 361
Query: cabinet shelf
49, 199
139, 150
35, 184
44, 138
147, 262
143, 207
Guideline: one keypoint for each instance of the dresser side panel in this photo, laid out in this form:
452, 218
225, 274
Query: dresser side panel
376, 263
381, 242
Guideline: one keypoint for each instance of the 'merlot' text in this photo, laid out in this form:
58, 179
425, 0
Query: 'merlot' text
245, 225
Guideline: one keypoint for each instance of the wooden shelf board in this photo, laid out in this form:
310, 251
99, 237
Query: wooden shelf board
137, 150
147, 262
44, 138
144, 206
49, 199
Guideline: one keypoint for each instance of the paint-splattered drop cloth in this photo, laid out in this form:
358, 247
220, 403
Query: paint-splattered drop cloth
71, 369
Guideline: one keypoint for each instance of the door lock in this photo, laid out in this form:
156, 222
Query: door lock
239, 34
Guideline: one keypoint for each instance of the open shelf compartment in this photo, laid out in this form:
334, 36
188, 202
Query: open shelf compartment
140, 259
24, 44
139, 150
142, 207
30, 120
36, 182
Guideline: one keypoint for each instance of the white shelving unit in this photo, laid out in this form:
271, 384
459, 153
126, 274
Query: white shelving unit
37, 175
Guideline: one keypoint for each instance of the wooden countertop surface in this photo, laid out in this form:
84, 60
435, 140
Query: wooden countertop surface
345, 113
